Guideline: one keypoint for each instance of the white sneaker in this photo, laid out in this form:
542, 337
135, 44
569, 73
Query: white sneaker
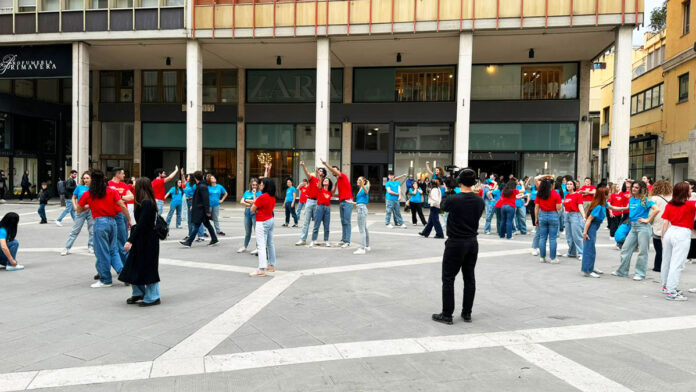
367, 249
592, 275
554, 261
598, 271
542, 260
692, 290
90, 250
360, 251
637, 278
2, 267
675, 297
59, 224
17, 267
99, 285
311, 244
579, 258
616, 273
345, 245
390, 226
328, 244
535, 252
403, 226
340, 243
65, 252
254, 252
300, 243
618, 247
242, 249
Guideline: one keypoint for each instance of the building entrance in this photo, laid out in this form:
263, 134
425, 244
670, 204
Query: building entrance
376, 173
502, 164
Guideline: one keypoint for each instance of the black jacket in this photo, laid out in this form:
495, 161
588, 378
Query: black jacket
44, 195
142, 264
465, 211
25, 181
200, 204
70, 186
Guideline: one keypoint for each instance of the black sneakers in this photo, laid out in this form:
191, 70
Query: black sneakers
146, 304
441, 318
466, 317
212, 243
185, 243
134, 299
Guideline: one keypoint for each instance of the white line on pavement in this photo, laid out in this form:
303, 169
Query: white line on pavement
202, 265
567, 370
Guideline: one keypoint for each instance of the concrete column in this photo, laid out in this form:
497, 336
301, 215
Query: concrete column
461, 130
96, 124
137, 124
323, 100
241, 133
621, 106
346, 147
584, 154
194, 106
80, 107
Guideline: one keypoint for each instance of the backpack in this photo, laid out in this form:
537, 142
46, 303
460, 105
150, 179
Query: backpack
161, 227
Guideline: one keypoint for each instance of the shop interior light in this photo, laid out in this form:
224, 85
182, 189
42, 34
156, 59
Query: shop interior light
490, 69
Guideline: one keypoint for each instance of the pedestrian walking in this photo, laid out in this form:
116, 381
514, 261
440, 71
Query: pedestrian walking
661, 194
200, 211
189, 190
175, 206
461, 248
314, 184
345, 202
8, 242
44, 195
434, 199
68, 188
594, 217
573, 204
26, 186
82, 217
415, 202
141, 270
548, 206
323, 213
642, 211
393, 189
217, 194
362, 199
263, 208
289, 204
678, 223
248, 199
3, 185
158, 185
105, 203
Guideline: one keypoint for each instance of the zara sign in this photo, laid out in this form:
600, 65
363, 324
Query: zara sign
49, 61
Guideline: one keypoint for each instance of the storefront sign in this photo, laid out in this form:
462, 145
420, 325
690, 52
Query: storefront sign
293, 85
48, 61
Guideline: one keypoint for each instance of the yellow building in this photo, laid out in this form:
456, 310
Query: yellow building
663, 121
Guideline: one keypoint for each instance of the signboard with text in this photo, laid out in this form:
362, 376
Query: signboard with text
22, 62
289, 85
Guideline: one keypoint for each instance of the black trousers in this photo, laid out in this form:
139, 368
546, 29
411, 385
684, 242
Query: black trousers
25, 191
657, 243
459, 255
530, 211
433, 222
417, 208
614, 222
193, 230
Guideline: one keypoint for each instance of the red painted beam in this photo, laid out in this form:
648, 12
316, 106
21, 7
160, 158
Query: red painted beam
348, 24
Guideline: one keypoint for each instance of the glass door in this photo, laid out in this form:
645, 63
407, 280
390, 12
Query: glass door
376, 173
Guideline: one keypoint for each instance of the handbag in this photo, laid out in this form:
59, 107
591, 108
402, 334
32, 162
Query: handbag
622, 232
161, 227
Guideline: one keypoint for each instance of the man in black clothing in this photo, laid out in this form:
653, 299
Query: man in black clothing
200, 211
25, 186
461, 248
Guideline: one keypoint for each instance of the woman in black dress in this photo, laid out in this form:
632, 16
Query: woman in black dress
141, 268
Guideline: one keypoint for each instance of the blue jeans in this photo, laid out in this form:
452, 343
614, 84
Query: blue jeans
346, 210
290, 211
214, 216
201, 230
548, 229
149, 292
535, 241
13, 246
160, 205
300, 206
121, 235
172, 210
393, 208
249, 224
42, 212
362, 225
323, 215
589, 253
69, 209
640, 235
490, 211
106, 248
575, 225
309, 215
80, 219
433, 221
264, 243
521, 219
508, 213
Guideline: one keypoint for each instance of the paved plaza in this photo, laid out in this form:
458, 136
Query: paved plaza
329, 320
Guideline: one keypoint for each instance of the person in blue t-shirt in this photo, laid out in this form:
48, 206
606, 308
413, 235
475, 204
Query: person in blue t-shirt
532, 190
361, 201
521, 211
8, 244
595, 216
642, 211
217, 194
415, 202
177, 194
393, 189
81, 218
291, 194
248, 199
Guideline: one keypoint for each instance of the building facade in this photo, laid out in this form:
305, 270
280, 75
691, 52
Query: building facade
371, 85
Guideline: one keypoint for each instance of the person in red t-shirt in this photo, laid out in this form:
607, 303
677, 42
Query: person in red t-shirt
345, 198
574, 220
263, 208
548, 204
588, 191
158, 185
303, 188
614, 217
105, 204
646, 180
118, 184
678, 223
312, 194
323, 214
507, 205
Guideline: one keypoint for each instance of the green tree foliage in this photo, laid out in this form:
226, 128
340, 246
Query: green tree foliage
658, 18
